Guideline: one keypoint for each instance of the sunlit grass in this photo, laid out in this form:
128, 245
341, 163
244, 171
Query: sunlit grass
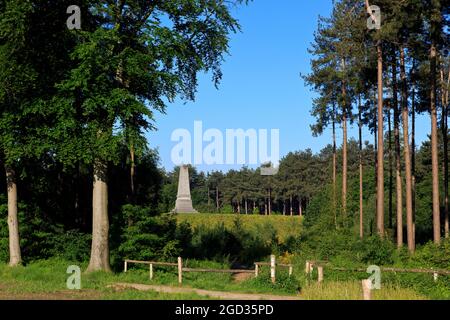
285, 226
352, 290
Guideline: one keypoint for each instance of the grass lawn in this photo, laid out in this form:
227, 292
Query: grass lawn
47, 280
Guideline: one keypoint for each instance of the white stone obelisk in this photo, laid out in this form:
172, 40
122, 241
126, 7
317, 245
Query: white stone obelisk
184, 201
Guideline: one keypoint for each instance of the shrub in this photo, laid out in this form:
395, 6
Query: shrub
227, 209
147, 237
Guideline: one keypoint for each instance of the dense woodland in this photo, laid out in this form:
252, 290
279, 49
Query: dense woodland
81, 180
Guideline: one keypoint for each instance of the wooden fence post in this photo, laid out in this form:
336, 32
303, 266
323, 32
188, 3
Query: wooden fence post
308, 267
320, 273
125, 266
272, 268
151, 271
256, 270
367, 289
290, 270
180, 271
435, 276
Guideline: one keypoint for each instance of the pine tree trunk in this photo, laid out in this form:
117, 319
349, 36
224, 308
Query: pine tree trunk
99, 259
445, 100
284, 207
209, 198
344, 147
300, 209
270, 202
391, 182
15, 257
246, 206
290, 205
132, 173
407, 155
398, 167
413, 160
375, 143
380, 155
217, 199
361, 209
434, 147
334, 169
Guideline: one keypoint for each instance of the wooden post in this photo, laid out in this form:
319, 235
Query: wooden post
272, 268
290, 270
125, 266
151, 271
367, 289
307, 267
256, 270
180, 271
320, 272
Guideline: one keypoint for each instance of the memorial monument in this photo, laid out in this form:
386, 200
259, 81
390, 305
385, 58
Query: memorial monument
184, 201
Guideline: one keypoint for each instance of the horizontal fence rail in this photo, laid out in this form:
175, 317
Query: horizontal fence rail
179, 265
218, 270
399, 270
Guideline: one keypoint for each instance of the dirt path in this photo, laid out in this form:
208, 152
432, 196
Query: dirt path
201, 292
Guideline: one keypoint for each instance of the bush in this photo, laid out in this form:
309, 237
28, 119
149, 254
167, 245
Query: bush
71, 245
40, 239
146, 236
227, 209
374, 250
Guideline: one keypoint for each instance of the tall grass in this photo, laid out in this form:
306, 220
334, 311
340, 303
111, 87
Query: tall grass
352, 290
285, 226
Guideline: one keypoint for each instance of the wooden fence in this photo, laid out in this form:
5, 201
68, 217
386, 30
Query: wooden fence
309, 267
366, 284
181, 269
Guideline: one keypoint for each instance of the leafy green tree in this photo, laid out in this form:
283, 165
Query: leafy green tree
135, 56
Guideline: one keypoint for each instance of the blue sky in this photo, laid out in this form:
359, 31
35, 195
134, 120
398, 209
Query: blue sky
261, 87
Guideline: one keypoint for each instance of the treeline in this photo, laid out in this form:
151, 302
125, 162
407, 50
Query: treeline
304, 186
381, 79
72, 99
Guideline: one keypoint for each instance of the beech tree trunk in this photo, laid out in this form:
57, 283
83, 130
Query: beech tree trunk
434, 147
407, 155
99, 260
15, 257
380, 154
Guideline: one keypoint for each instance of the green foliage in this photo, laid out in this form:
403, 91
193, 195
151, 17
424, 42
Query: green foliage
374, 250
227, 209
146, 236
234, 244
41, 240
